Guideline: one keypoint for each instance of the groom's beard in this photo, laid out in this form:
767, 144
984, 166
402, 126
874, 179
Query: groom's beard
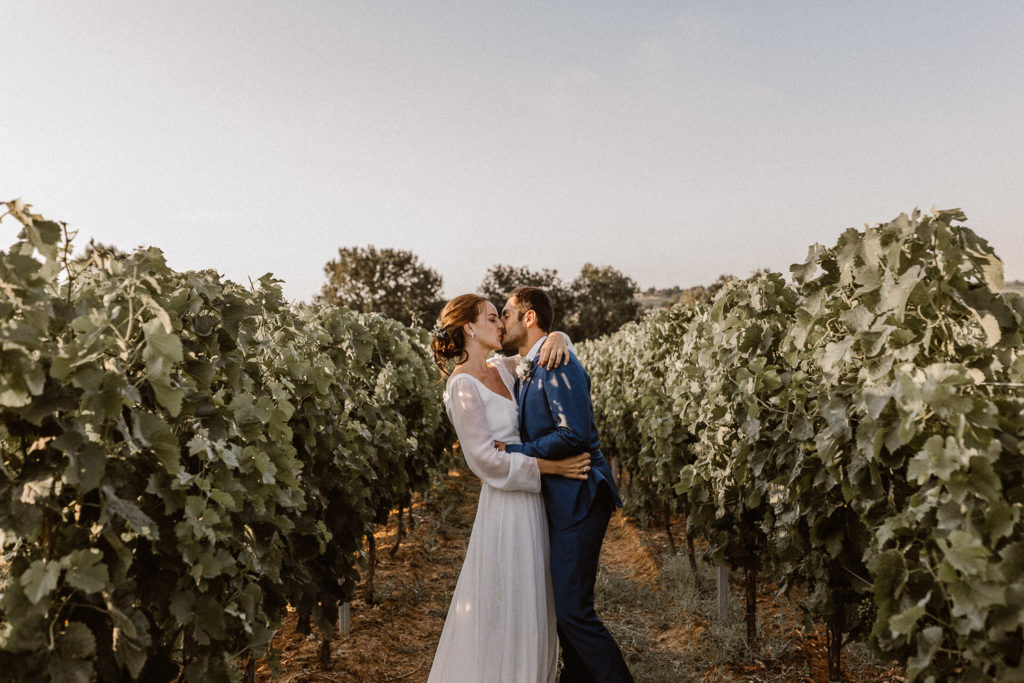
510, 344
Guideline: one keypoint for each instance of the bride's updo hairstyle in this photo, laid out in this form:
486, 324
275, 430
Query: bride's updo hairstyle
447, 340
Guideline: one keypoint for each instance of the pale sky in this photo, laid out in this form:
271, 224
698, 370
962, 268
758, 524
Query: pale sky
675, 141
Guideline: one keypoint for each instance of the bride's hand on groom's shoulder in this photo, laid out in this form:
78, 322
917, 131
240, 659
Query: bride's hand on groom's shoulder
555, 350
500, 445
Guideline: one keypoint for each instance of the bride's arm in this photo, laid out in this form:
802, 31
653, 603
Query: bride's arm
554, 351
501, 470
573, 467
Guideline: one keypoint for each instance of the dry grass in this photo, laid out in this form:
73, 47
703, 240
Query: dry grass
678, 614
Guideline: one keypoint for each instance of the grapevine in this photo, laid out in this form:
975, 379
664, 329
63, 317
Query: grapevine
184, 457
855, 432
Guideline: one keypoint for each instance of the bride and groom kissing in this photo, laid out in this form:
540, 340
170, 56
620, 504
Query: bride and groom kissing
526, 428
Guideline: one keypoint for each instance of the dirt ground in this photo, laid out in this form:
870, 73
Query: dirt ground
393, 639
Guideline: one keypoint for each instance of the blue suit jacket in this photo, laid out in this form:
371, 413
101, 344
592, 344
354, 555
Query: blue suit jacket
556, 420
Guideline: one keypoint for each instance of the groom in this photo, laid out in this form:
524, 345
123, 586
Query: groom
556, 420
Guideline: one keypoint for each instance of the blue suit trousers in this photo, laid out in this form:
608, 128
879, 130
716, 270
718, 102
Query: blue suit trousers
589, 653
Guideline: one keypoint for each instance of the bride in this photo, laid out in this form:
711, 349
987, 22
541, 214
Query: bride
501, 622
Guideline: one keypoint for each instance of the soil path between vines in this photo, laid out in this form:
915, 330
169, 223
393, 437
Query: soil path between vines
394, 638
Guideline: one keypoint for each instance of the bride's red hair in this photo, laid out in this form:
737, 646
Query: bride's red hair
448, 341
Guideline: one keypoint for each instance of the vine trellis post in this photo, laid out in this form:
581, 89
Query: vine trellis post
722, 576
344, 618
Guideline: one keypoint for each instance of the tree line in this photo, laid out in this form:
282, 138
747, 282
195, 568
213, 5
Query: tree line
395, 283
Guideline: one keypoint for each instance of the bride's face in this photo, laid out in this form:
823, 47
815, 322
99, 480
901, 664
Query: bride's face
488, 327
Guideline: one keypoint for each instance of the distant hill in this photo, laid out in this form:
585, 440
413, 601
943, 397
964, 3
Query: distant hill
1015, 286
657, 298
663, 298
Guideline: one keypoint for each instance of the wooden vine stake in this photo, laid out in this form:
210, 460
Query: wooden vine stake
834, 643
249, 670
371, 561
751, 585
400, 533
324, 654
668, 529
345, 618
691, 552
723, 593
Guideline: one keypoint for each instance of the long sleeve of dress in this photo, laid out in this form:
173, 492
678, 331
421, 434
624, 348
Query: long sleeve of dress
498, 469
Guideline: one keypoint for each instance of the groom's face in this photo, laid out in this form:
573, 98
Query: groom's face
514, 330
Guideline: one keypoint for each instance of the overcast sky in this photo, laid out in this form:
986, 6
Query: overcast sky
674, 141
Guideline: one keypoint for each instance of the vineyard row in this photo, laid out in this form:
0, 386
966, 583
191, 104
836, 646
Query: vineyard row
856, 432
184, 457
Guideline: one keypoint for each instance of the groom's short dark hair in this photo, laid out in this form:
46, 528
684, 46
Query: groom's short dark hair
536, 300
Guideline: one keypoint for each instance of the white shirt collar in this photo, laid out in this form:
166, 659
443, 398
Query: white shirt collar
536, 348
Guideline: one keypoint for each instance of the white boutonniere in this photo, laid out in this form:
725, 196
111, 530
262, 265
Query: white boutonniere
524, 370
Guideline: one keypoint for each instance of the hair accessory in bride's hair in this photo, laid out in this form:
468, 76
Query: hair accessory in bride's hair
440, 332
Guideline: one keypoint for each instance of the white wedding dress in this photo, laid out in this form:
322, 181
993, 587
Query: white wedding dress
501, 622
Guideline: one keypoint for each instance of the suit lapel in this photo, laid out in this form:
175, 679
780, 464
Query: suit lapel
521, 395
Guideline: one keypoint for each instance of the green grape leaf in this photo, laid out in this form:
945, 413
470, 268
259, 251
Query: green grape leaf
965, 552
127, 653
992, 270
991, 328
77, 640
154, 433
86, 467
904, 622
183, 607
168, 396
836, 353
76, 645
40, 579
70, 669
161, 344
939, 457
129, 512
85, 570
895, 292
209, 620
928, 642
